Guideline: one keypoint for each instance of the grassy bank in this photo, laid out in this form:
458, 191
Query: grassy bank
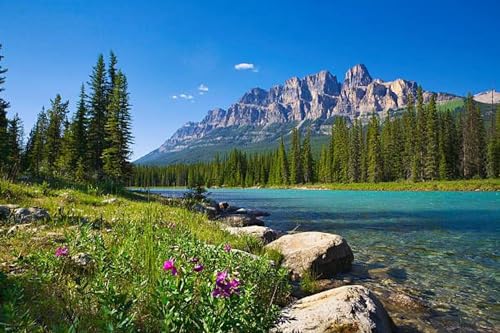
489, 185
151, 268
450, 185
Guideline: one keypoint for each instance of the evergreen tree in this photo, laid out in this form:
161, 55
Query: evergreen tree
374, 151
307, 159
97, 117
340, 142
355, 152
473, 141
57, 117
79, 138
409, 132
35, 149
431, 160
295, 159
14, 141
494, 146
418, 157
282, 165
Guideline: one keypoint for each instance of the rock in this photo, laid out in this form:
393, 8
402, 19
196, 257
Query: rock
223, 205
256, 213
353, 309
4, 213
32, 214
109, 201
238, 220
321, 253
266, 234
18, 227
210, 211
82, 260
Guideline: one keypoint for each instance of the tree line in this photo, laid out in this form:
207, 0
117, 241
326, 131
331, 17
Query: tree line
421, 144
93, 145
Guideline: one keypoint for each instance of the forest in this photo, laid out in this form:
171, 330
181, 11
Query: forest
421, 144
93, 145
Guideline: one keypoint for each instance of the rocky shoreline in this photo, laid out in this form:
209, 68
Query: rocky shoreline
348, 296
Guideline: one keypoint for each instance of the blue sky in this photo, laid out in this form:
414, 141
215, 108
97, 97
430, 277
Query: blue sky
172, 48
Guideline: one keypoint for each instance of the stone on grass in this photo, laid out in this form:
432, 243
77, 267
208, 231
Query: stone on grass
266, 234
322, 254
32, 214
353, 309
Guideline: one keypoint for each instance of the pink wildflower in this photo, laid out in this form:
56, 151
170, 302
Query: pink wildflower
198, 268
227, 248
62, 251
168, 265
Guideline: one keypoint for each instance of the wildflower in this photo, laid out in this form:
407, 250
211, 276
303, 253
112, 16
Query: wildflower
198, 268
168, 265
62, 251
227, 248
225, 287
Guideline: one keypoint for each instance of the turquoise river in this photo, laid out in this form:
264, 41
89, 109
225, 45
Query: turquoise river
440, 247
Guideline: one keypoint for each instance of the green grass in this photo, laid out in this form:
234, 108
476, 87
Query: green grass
125, 288
450, 185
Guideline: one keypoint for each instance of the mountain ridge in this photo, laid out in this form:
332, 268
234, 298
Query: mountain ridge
314, 98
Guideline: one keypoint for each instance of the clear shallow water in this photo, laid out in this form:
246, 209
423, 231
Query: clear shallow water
443, 246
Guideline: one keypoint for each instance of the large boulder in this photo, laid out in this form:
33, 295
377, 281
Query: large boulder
266, 234
321, 253
352, 309
32, 214
238, 220
206, 209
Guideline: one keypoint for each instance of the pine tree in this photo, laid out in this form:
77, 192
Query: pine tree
340, 142
355, 152
494, 146
282, 165
115, 155
57, 117
35, 148
473, 141
14, 141
4, 123
431, 157
418, 157
295, 159
307, 159
374, 151
409, 132
97, 116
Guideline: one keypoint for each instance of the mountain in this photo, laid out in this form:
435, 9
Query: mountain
261, 116
488, 97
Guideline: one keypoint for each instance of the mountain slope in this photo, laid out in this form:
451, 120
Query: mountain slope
261, 116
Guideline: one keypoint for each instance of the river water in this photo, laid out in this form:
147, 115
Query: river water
440, 247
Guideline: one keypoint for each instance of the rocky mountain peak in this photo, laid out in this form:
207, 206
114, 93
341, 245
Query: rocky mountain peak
357, 76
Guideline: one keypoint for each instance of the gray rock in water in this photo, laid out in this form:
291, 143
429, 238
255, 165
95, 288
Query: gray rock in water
266, 234
238, 220
208, 210
32, 214
345, 309
321, 253
253, 212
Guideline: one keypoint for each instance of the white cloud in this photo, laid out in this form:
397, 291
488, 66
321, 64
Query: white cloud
202, 88
186, 96
245, 66
174, 97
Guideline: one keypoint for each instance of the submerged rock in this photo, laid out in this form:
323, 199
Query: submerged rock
32, 214
344, 309
321, 253
253, 212
238, 220
266, 234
